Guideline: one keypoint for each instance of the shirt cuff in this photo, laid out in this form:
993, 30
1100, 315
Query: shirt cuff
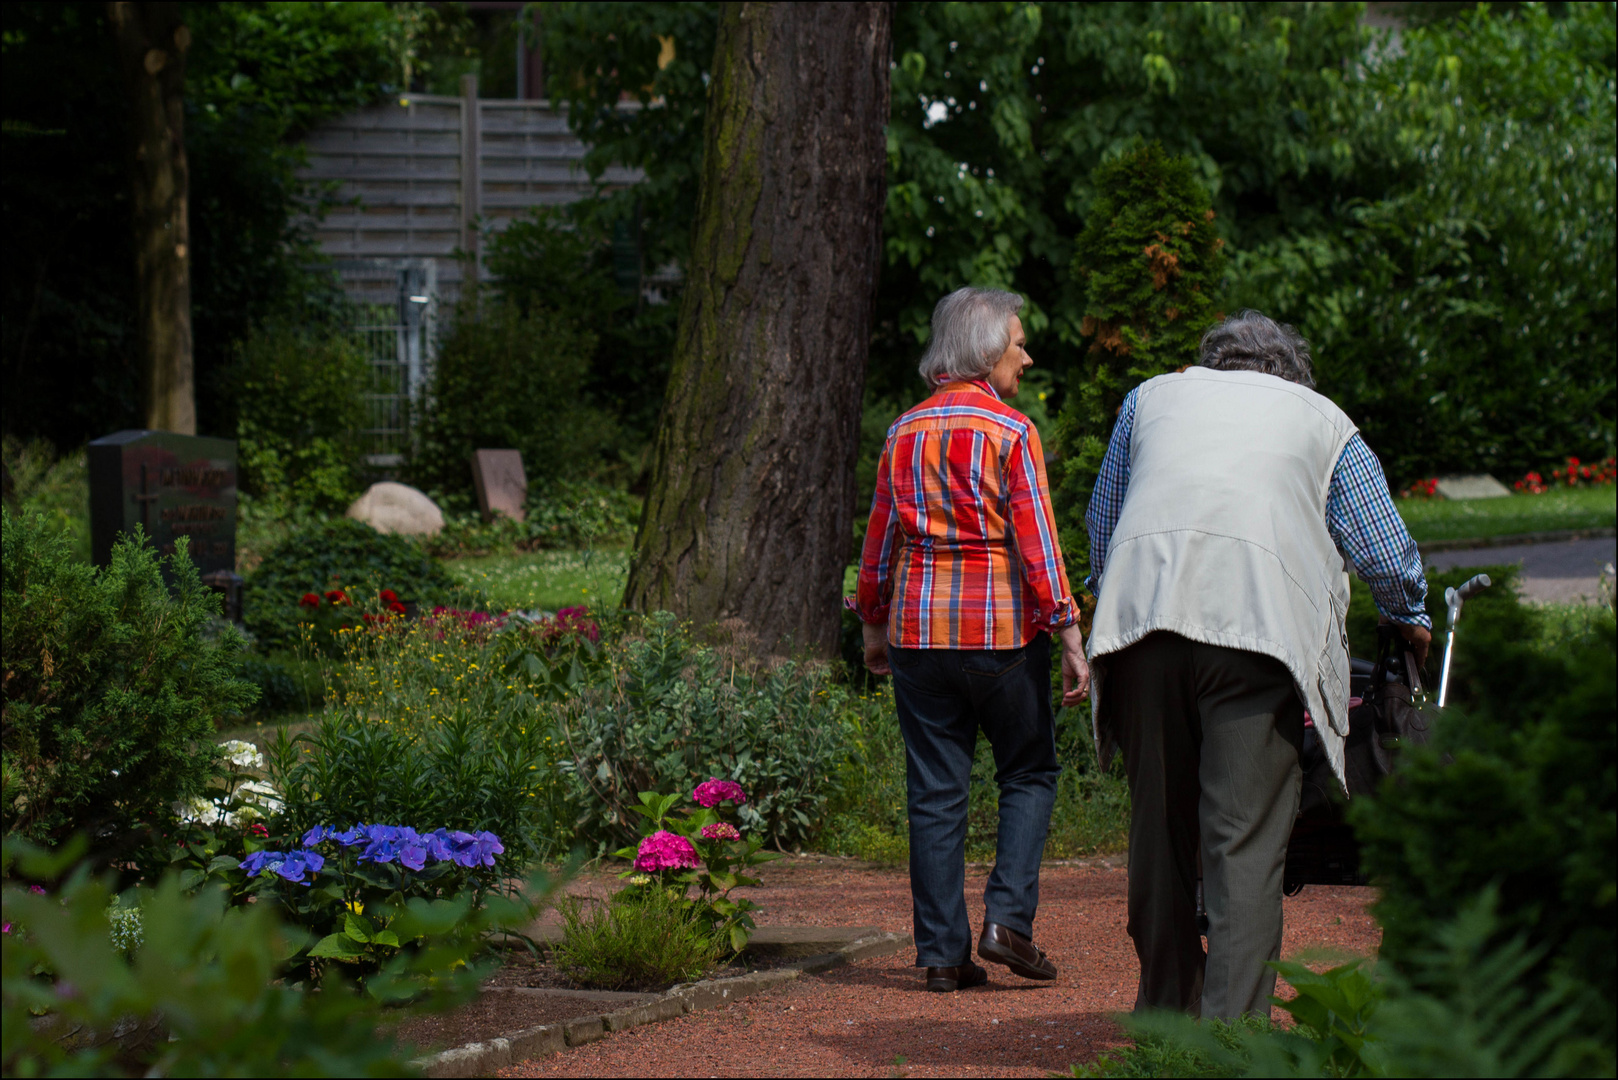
877, 615
1065, 614
1422, 620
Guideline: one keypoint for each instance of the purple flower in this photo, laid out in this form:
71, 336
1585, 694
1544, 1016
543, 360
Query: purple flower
354, 837
713, 791
413, 854
720, 830
258, 860
486, 846
317, 834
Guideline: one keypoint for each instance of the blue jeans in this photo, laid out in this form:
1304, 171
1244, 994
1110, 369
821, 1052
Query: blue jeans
944, 696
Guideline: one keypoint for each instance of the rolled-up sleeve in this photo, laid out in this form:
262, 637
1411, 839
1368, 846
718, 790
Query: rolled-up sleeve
1034, 529
1366, 526
873, 593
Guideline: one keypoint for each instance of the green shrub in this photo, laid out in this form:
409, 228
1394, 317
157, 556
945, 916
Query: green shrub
645, 941
583, 514
667, 713
1151, 262
285, 683
58, 487
113, 685
1516, 792
507, 379
300, 408
340, 553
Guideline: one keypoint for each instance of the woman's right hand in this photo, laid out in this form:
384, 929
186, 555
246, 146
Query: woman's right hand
876, 648
1075, 668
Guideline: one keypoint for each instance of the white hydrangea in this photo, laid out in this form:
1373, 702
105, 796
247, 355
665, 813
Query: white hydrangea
197, 811
259, 795
242, 754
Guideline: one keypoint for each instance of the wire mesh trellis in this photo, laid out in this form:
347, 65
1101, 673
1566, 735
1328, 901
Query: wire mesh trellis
396, 335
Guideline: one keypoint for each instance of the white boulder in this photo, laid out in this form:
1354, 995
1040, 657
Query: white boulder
392, 508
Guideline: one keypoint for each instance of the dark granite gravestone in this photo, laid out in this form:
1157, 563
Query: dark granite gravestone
171, 486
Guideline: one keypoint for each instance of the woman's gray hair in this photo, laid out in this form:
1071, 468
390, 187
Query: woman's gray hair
1252, 341
970, 332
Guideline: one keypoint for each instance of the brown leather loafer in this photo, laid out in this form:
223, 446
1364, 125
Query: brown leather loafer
947, 980
1001, 945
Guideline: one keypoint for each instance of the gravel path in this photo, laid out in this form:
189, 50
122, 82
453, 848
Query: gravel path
1560, 572
861, 1019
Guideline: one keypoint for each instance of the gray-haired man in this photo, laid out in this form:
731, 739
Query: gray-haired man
1231, 501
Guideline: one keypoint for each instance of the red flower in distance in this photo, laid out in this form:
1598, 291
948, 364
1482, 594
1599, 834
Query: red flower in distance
310, 600
337, 596
256, 829
395, 607
389, 596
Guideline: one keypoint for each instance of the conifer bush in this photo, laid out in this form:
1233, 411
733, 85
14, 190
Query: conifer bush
1151, 262
113, 685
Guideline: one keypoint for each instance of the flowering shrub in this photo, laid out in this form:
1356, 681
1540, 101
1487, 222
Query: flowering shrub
1421, 489
1573, 474
697, 847
349, 887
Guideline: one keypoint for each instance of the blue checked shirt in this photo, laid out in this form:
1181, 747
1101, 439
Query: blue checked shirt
1359, 516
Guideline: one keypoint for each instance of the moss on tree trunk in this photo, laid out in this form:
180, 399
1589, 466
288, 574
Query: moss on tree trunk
749, 512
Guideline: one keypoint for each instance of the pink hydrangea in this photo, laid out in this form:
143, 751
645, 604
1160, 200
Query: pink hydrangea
665, 851
720, 830
713, 791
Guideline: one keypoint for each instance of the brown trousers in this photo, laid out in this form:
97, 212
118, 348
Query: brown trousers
1211, 738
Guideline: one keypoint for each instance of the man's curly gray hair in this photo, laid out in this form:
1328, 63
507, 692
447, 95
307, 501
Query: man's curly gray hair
970, 331
1252, 341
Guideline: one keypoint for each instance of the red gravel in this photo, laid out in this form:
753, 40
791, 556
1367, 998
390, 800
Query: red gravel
861, 1019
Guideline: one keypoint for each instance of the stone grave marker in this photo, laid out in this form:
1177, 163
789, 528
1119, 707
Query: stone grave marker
501, 483
1481, 486
172, 486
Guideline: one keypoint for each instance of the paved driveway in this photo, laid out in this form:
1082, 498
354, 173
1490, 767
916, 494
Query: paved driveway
1563, 572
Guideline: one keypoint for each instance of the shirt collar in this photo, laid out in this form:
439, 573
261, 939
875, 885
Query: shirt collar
981, 384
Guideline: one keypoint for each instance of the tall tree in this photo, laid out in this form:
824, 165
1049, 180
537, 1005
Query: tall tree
749, 512
152, 42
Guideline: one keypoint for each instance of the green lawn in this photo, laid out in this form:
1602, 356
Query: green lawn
547, 580
1443, 519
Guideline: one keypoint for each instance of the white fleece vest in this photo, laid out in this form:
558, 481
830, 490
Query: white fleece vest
1223, 539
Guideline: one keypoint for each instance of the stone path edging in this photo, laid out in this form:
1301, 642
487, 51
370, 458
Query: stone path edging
484, 1058
1550, 537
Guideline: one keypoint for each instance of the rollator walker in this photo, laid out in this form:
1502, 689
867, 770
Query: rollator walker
1382, 718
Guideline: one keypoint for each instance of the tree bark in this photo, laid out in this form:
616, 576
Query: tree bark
752, 491
152, 42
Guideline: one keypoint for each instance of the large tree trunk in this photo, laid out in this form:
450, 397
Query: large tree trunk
151, 49
753, 478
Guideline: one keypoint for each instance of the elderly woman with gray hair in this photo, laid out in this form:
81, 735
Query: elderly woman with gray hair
1231, 501
961, 587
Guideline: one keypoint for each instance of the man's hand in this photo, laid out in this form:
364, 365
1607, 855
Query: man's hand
876, 648
1419, 638
1075, 668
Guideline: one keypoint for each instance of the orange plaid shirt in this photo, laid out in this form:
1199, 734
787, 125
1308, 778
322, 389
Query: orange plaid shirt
961, 549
